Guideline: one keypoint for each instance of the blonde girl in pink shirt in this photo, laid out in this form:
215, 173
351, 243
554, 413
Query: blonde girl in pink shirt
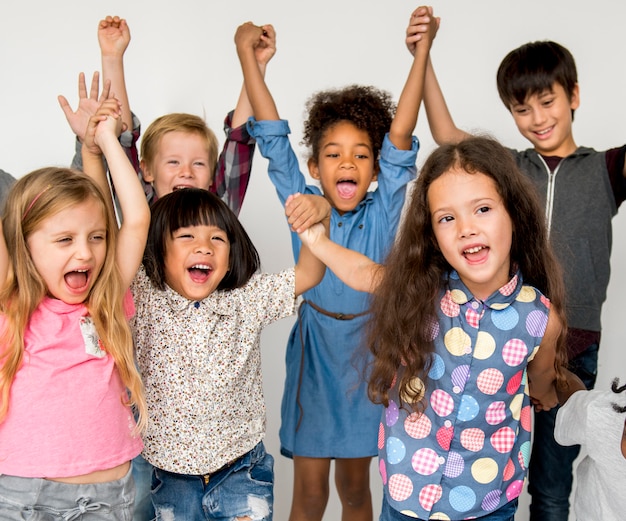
68, 382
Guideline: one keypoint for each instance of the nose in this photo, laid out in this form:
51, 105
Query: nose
204, 247
347, 163
539, 116
185, 171
83, 250
465, 227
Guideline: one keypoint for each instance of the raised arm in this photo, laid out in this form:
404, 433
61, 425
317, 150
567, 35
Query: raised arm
440, 121
101, 138
234, 164
403, 124
442, 126
248, 38
263, 52
113, 38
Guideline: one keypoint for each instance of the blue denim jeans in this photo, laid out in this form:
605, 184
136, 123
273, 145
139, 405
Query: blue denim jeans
243, 488
142, 474
505, 513
550, 471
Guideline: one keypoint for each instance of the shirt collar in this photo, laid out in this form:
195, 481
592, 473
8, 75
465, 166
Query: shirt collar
499, 299
218, 302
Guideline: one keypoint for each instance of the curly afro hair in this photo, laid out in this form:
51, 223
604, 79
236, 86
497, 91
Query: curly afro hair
368, 108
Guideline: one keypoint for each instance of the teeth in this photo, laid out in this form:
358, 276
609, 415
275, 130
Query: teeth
476, 249
201, 267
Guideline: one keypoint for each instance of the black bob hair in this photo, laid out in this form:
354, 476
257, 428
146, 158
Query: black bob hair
194, 207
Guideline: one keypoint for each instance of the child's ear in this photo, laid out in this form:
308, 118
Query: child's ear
574, 101
145, 172
314, 169
376, 172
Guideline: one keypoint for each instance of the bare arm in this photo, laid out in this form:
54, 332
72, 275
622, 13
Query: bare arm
114, 37
573, 384
442, 126
353, 268
247, 38
440, 121
310, 269
403, 124
541, 369
263, 53
102, 136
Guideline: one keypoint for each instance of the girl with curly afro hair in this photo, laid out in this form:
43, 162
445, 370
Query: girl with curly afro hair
355, 136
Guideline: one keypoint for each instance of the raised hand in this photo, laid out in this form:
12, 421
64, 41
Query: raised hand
266, 47
422, 26
87, 105
113, 36
107, 119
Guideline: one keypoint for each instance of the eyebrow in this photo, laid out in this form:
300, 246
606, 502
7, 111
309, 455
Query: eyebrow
333, 143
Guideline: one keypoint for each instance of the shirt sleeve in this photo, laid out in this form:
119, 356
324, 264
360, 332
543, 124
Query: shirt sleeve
283, 168
234, 165
615, 166
397, 169
570, 427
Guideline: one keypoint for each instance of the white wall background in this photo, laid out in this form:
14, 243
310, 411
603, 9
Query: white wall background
182, 58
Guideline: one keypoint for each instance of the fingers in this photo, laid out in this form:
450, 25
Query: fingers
106, 91
65, 107
95, 86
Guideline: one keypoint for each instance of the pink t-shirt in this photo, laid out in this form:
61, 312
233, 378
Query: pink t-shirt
66, 416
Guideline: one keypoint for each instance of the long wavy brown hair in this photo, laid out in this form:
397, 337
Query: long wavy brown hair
33, 199
404, 304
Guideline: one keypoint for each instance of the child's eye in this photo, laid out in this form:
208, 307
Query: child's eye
548, 102
483, 209
445, 219
362, 156
64, 240
332, 155
98, 237
200, 163
521, 111
172, 162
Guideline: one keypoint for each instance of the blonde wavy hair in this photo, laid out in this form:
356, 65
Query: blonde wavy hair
34, 198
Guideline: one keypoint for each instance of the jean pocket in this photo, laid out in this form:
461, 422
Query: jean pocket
262, 471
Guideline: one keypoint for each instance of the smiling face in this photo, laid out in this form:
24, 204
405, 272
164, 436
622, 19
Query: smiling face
196, 260
182, 160
344, 166
69, 250
472, 228
545, 119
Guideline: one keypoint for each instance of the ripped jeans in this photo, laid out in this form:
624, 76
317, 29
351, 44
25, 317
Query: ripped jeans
244, 488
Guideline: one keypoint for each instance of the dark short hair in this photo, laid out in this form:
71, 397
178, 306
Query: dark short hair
194, 207
534, 68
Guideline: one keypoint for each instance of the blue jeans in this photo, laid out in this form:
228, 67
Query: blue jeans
242, 488
142, 474
550, 471
505, 513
